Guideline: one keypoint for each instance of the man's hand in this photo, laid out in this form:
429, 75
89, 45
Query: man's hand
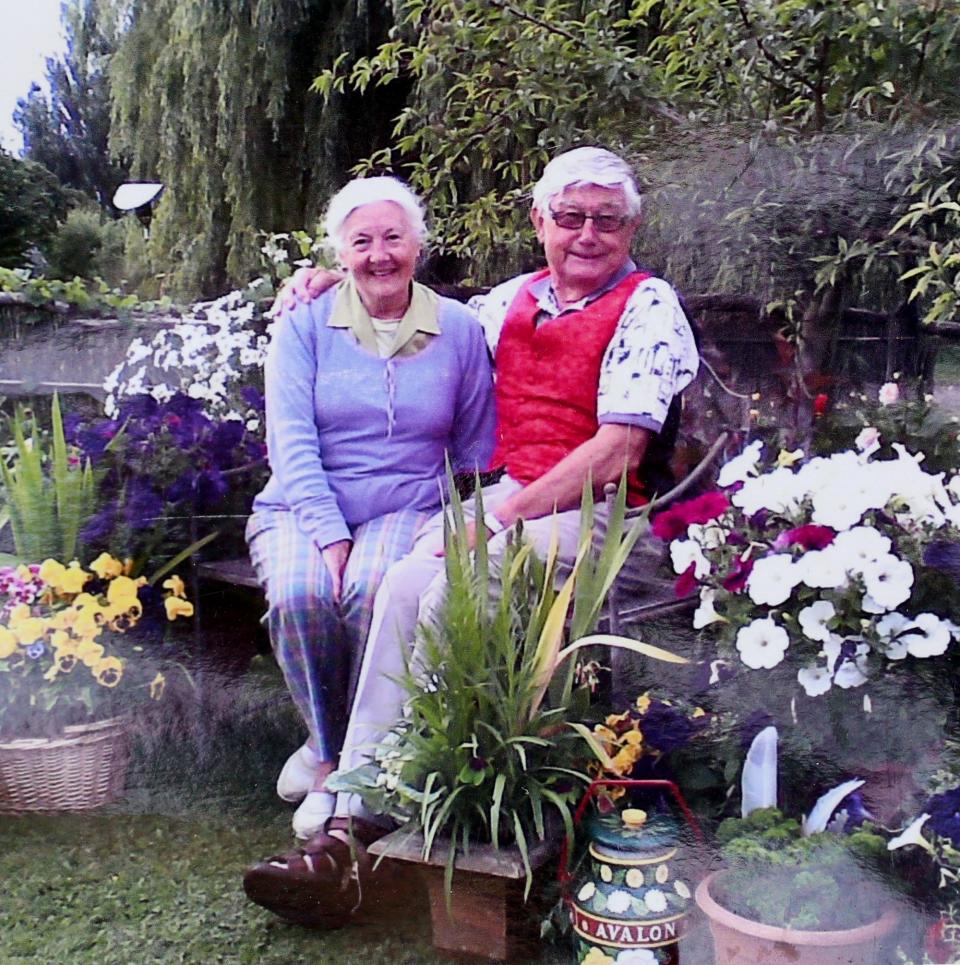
304, 285
335, 558
471, 534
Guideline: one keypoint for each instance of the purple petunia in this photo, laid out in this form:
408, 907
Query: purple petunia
944, 811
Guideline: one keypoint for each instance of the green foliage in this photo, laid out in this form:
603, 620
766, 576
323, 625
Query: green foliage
31, 203
48, 492
776, 876
484, 754
94, 295
85, 246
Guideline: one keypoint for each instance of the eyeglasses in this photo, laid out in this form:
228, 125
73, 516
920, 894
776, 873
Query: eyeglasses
575, 220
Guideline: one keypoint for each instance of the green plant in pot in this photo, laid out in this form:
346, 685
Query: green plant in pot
486, 755
799, 891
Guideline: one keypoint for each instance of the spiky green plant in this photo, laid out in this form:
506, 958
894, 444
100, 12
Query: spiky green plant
48, 496
487, 750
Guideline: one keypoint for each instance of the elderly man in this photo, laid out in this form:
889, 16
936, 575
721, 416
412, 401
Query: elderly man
589, 354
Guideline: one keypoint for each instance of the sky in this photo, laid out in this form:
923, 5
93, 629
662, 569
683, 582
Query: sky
31, 33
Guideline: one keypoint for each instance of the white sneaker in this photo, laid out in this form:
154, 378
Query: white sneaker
298, 774
313, 813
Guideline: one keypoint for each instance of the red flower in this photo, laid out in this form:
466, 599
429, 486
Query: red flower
820, 402
674, 522
687, 582
810, 537
736, 579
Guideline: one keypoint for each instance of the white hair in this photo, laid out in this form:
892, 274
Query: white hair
586, 165
355, 194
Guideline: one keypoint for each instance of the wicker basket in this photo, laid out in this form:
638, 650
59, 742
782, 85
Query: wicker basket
83, 769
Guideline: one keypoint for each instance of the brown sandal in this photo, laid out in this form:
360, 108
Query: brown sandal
320, 885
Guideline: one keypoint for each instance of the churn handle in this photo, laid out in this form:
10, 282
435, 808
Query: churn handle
563, 873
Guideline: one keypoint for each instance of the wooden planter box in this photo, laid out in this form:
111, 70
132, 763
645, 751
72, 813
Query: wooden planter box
487, 916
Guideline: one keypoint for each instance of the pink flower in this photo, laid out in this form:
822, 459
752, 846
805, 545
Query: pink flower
810, 537
889, 393
674, 521
687, 581
736, 579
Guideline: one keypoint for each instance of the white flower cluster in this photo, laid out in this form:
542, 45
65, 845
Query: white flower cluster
824, 546
208, 355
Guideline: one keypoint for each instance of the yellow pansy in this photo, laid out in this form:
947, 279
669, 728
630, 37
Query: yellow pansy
176, 607
88, 622
157, 686
108, 671
698, 712
633, 737
20, 612
29, 630
89, 652
122, 590
51, 572
73, 578
625, 758
175, 585
8, 643
106, 566
643, 703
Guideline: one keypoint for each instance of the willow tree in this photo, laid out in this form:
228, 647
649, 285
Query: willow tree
212, 99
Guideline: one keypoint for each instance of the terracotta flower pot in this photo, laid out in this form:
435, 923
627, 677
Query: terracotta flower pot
739, 940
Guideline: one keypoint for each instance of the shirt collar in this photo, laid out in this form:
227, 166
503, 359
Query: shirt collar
546, 297
422, 315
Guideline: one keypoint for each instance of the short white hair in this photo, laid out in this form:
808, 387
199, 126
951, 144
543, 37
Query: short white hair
355, 194
587, 165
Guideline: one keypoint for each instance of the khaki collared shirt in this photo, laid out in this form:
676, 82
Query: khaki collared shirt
419, 324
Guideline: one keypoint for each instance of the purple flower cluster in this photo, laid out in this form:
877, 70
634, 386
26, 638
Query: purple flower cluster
163, 459
944, 811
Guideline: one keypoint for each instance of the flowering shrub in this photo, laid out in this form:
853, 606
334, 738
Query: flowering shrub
211, 356
898, 414
163, 463
66, 650
820, 563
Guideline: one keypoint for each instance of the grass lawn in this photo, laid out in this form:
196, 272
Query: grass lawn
157, 876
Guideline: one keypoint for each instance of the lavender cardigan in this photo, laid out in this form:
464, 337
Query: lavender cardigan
351, 436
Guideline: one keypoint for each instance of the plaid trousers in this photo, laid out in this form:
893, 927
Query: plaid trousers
319, 643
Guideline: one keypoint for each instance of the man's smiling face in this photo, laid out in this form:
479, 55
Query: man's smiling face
581, 260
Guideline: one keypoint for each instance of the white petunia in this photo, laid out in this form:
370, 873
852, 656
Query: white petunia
889, 629
740, 467
815, 680
776, 491
852, 673
762, 644
912, 834
861, 546
618, 902
683, 552
772, 579
868, 440
656, 900
823, 569
888, 581
839, 507
932, 640
814, 618
705, 614
708, 535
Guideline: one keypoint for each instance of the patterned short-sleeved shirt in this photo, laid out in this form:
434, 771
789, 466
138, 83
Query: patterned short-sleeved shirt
651, 357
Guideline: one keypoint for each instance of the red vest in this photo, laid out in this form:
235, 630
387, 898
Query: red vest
547, 380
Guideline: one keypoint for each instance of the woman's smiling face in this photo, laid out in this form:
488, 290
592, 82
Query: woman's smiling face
380, 251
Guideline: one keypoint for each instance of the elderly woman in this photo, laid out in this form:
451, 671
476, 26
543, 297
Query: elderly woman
369, 388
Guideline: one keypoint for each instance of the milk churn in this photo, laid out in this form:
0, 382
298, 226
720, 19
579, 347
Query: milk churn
631, 901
